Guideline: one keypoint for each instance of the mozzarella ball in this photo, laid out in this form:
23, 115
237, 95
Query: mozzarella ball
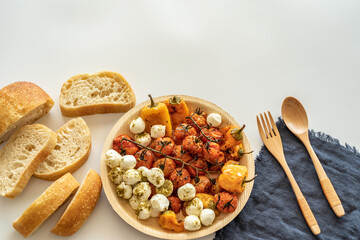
143, 171
132, 176
156, 177
124, 191
128, 162
207, 216
192, 223
186, 192
113, 158
134, 202
143, 138
115, 175
166, 189
137, 125
142, 191
159, 202
143, 210
157, 131
194, 207
214, 119
154, 212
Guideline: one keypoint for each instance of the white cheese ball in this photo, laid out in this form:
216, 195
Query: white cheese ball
192, 223
143, 170
143, 210
142, 191
186, 192
154, 212
124, 191
194, 207
214, 119
143, 138
116, 174
159, 202
134, 202
128, 162
132, 177
113, 158
137, 125
157, 131
156, 177
207, 216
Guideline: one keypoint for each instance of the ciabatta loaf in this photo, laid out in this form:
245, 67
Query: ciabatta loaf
21, 103
46, 204
71, 151
81, 206
103, 92
22, 155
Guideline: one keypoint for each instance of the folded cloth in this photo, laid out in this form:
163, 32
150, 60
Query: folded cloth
272, 211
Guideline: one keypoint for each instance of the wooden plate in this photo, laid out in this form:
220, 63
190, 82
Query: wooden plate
151, 226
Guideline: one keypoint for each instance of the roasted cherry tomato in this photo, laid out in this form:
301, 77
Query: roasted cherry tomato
201, 184
167, 165
179, 177
212, 134
124, 147
144, 158
164, 145
179, 152
199, 117
215, 187
175, 204
219, 163
211, 152
200, 164
193, 145
182, 131
226, 202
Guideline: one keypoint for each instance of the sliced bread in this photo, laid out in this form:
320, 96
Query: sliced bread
81, 206
103, 92
21, 103
71, 151
46, 204
22, 155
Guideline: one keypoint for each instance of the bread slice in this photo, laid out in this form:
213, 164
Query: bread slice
71, 151
21, 103
46, 204
81, 205
22, 155
103, 92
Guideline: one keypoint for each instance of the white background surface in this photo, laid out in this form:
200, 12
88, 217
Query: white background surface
245, 56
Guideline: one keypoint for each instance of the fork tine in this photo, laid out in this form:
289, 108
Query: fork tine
273, 124
265, 126
271, 131
261, 131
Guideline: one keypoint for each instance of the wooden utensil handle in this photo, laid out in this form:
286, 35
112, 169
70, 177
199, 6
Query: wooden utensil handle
332, 197
308, 215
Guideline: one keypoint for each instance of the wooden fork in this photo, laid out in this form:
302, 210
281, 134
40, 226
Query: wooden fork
271, 138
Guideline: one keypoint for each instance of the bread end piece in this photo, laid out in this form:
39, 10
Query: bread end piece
81, 205
46, 204
102, 92
21, 103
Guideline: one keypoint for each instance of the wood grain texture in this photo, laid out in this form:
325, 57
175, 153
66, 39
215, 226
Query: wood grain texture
151, 226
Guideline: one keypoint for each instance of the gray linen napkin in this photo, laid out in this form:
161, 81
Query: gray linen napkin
272, 211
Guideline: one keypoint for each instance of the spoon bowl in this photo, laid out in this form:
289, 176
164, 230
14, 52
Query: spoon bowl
294, 116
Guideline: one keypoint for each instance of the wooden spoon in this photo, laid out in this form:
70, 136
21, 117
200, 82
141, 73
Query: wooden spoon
296, 120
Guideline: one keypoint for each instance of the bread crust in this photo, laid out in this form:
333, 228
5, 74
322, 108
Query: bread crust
31, 168
16, 101
81, 205
100, 107
46, 204
51, 176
